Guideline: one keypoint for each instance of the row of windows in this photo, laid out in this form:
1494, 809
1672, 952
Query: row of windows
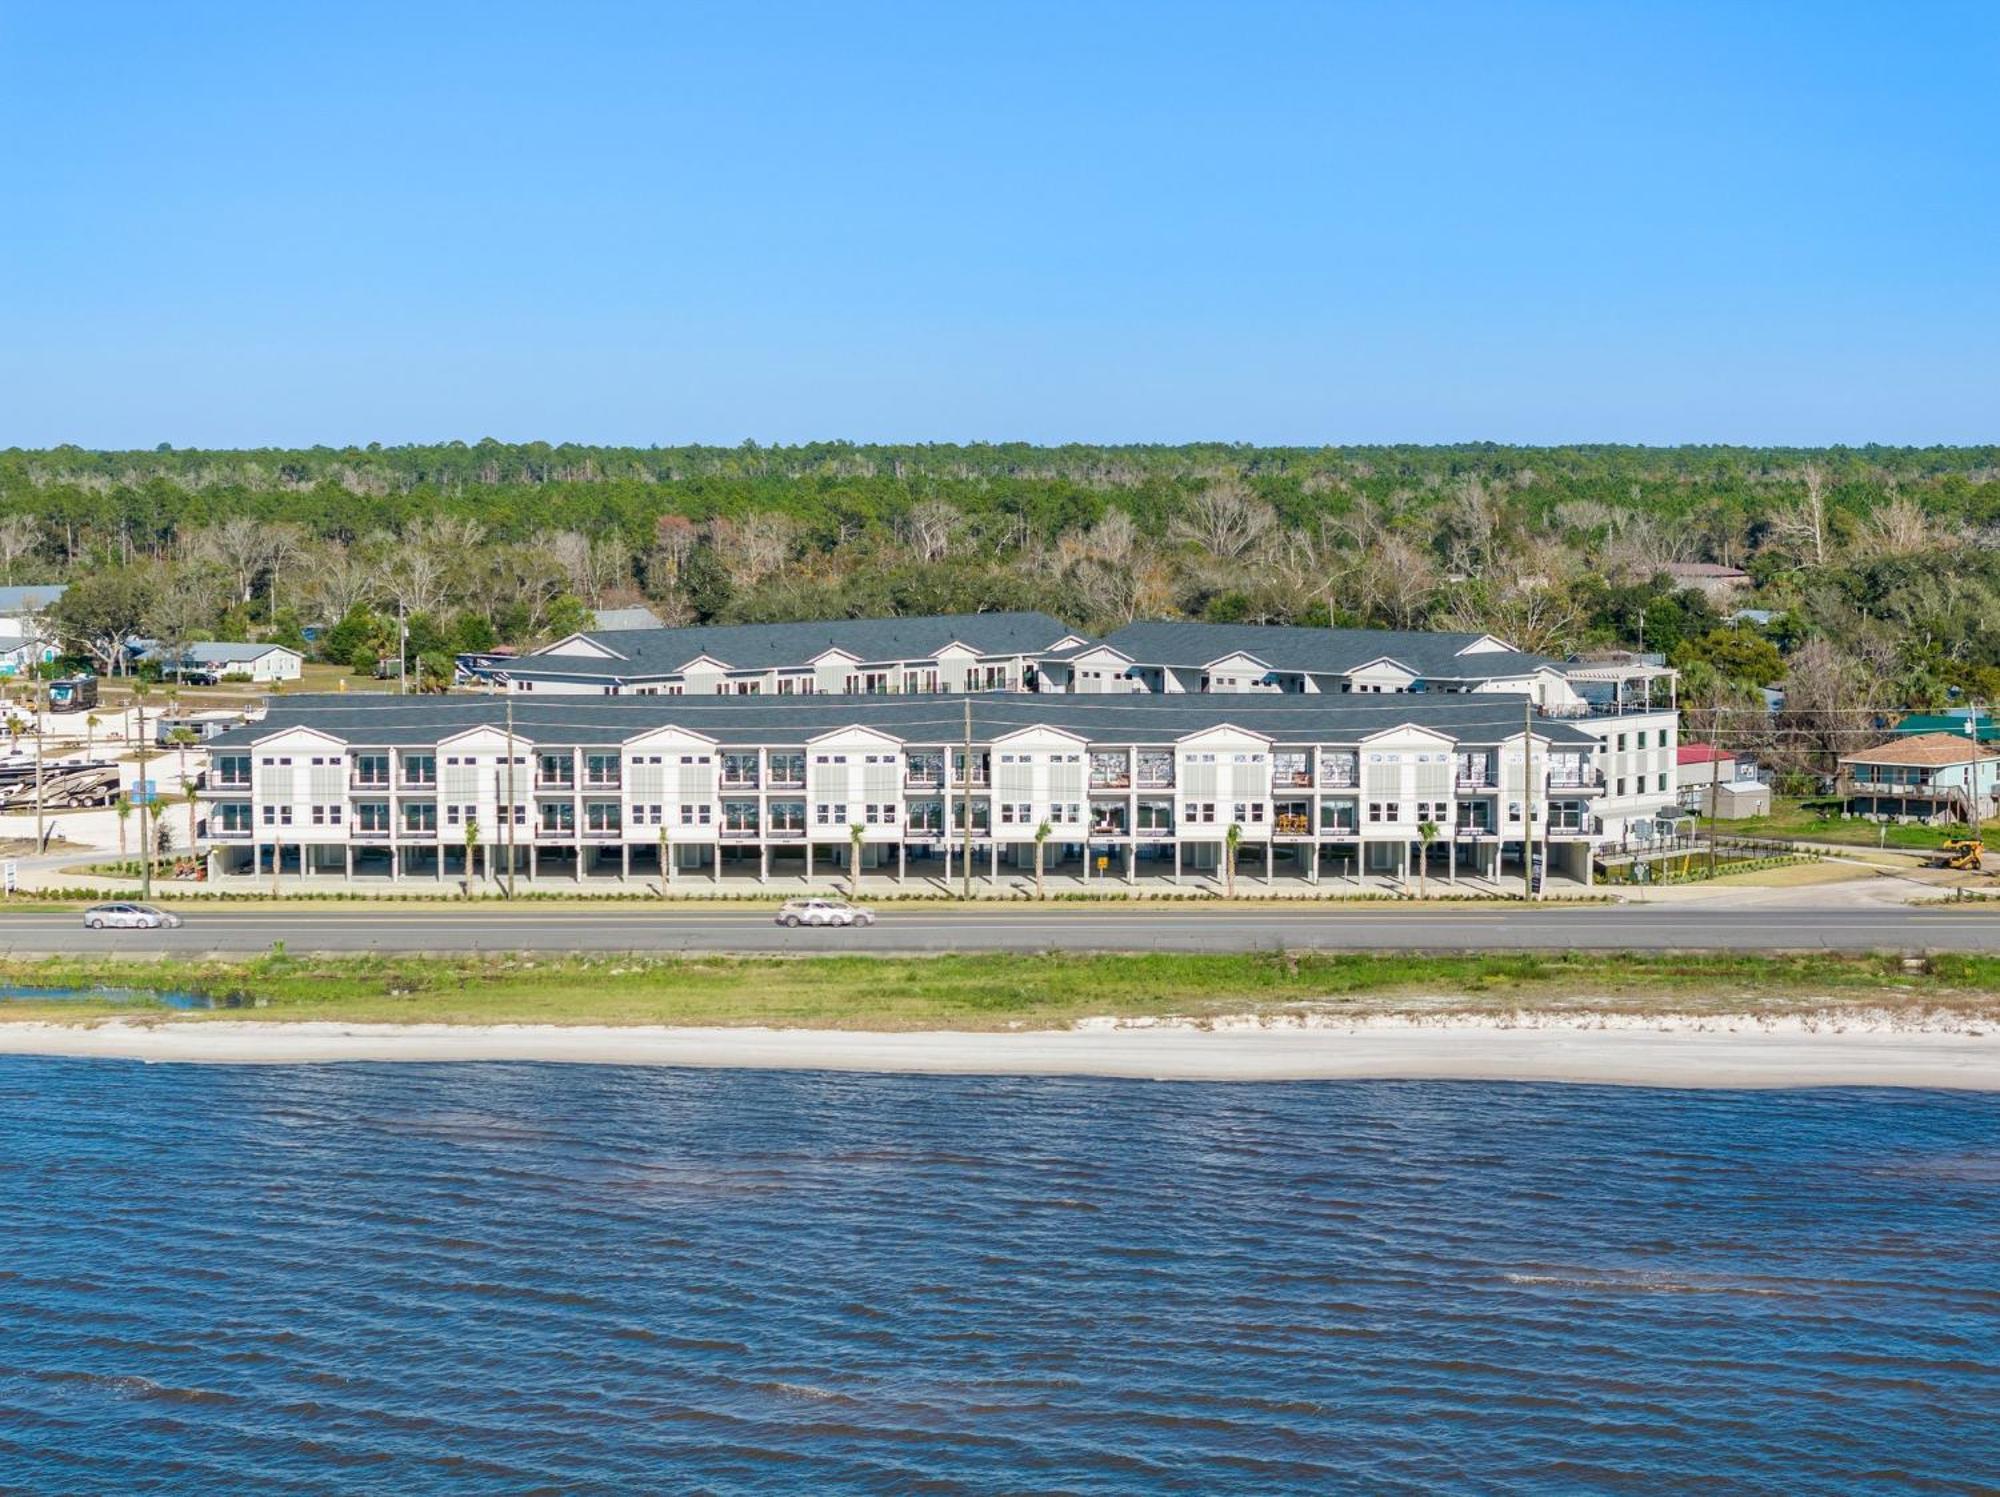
834, 813
1022, 813
1246, 813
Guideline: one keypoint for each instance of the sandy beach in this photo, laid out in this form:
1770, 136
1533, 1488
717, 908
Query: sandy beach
1845, 1050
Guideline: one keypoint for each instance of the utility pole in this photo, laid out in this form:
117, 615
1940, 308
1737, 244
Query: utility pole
1528, 798
965, 805
1714, 787
145, 806
41, 707
511, 812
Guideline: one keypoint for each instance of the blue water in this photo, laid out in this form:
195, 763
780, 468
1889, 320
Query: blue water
537, 1278
15, 993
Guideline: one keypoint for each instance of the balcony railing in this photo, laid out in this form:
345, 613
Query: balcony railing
1588, 779
1339, 779
417, 834
230, 833
738, 833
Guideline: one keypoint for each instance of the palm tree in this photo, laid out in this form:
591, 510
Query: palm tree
91, 723
123, 806
1041, 838
666, 861
1230, 842
471, 850
191, 793
1427, 833
854, 835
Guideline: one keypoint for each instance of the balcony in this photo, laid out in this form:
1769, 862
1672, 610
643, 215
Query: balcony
1339, 779
543, 784
1478, 783
229, 833
1589, 779
417, 834
737, 833
1110, 782
923, 779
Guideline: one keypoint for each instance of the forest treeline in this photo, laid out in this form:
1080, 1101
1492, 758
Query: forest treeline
1880, 566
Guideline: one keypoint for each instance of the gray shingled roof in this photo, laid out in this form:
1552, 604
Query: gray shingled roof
1431, 655
228, 652
37, 596
658, 652
389, 720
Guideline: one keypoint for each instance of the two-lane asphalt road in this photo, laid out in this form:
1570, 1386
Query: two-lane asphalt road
1036, 928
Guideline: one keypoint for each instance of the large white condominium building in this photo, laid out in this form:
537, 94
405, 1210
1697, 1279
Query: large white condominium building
747, 790
1627, 705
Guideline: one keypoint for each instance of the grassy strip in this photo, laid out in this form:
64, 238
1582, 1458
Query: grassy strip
1809, 821
997, 991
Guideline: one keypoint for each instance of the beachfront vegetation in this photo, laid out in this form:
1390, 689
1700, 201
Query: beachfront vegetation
1880, 567
1001, 991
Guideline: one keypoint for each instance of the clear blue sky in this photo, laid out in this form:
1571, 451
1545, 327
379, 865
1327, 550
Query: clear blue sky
294, 223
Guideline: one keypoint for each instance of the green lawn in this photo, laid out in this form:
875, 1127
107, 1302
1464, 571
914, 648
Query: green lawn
1810, 821
997, 991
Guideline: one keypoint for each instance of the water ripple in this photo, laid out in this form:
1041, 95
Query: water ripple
597, 1280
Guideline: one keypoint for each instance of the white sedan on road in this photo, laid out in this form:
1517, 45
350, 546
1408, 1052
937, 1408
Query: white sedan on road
129, 917
799, 912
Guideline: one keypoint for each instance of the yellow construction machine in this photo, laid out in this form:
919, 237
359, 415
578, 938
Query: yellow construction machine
1962, 853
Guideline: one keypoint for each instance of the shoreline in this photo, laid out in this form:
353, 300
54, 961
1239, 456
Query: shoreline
1680, 1051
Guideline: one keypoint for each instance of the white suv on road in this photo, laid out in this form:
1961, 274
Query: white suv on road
799, 912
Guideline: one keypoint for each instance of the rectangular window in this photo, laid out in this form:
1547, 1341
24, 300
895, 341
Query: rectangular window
420, 769
421, 816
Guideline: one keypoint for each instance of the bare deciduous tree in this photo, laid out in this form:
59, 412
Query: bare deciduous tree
1901, 528
755, 547
1225, 519
240, 546
1803, 526
20, 538
335, 580
931, 528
